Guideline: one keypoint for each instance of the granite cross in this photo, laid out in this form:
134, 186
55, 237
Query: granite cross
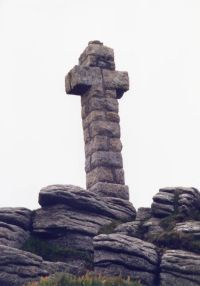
100, 87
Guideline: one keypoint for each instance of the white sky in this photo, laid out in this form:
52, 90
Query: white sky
41, 141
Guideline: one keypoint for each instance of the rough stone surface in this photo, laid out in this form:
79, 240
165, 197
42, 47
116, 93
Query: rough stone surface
58, 219
116, 80
15, 224
86, 201
129, 228
99, 174
17, 216
105, 128
180, 268
110, 159
111, 190
12, 235
71, 216
100, 87
119, 254
18, 267
97, 55
79, 79
143, 214
188, 227
152, 228
171, 200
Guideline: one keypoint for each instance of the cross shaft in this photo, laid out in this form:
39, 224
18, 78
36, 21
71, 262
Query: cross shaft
100, 87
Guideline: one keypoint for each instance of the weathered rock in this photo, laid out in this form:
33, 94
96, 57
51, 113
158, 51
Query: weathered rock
16, 216
104, 158
97, 55
71, 216
18, 267
68, 227
180, 268
12, 235
129, 228
143, 214
119, 254
191, 227
80, 79
116, 80
15, 224
100, 86
171, 200
111, 190
86, 201
152, 228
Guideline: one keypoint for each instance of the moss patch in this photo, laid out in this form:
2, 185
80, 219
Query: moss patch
109, 228
54, 252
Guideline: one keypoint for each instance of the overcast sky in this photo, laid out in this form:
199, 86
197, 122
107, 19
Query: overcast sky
41, 140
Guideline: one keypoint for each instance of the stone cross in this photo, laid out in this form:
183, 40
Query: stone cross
100, 87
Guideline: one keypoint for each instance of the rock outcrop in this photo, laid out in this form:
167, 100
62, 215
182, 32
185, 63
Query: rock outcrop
77, 230
15, 224
118, 254
180, 268
171, 200
72, 216
18, 267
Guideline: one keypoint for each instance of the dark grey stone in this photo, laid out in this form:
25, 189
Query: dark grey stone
81, 200
111, 190
18, 267
12, 235
16, 216
170, 200
180, 268
119, 254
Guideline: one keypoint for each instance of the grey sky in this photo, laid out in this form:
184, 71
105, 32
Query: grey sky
157, 42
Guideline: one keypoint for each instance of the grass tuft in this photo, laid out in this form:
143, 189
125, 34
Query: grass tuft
89, 279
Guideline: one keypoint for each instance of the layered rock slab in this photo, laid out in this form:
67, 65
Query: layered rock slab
191, 227
82, 200
118, 254
170, 200
12, 235
180, 268
15, 224
18, 267
71, 216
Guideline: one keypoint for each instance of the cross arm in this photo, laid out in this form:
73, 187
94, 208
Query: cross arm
117, 80
81, 78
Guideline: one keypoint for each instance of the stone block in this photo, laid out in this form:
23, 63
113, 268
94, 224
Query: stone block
98, 143
105, 128
96, 90
121, 255
80, 79
112, 116
86, 135
107, 159
98, 55
115, 144
119, 176
84, 111
109, 104
99, 174
92, 116
110, 93
88, 164
116, 80
111, 190
180, 267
